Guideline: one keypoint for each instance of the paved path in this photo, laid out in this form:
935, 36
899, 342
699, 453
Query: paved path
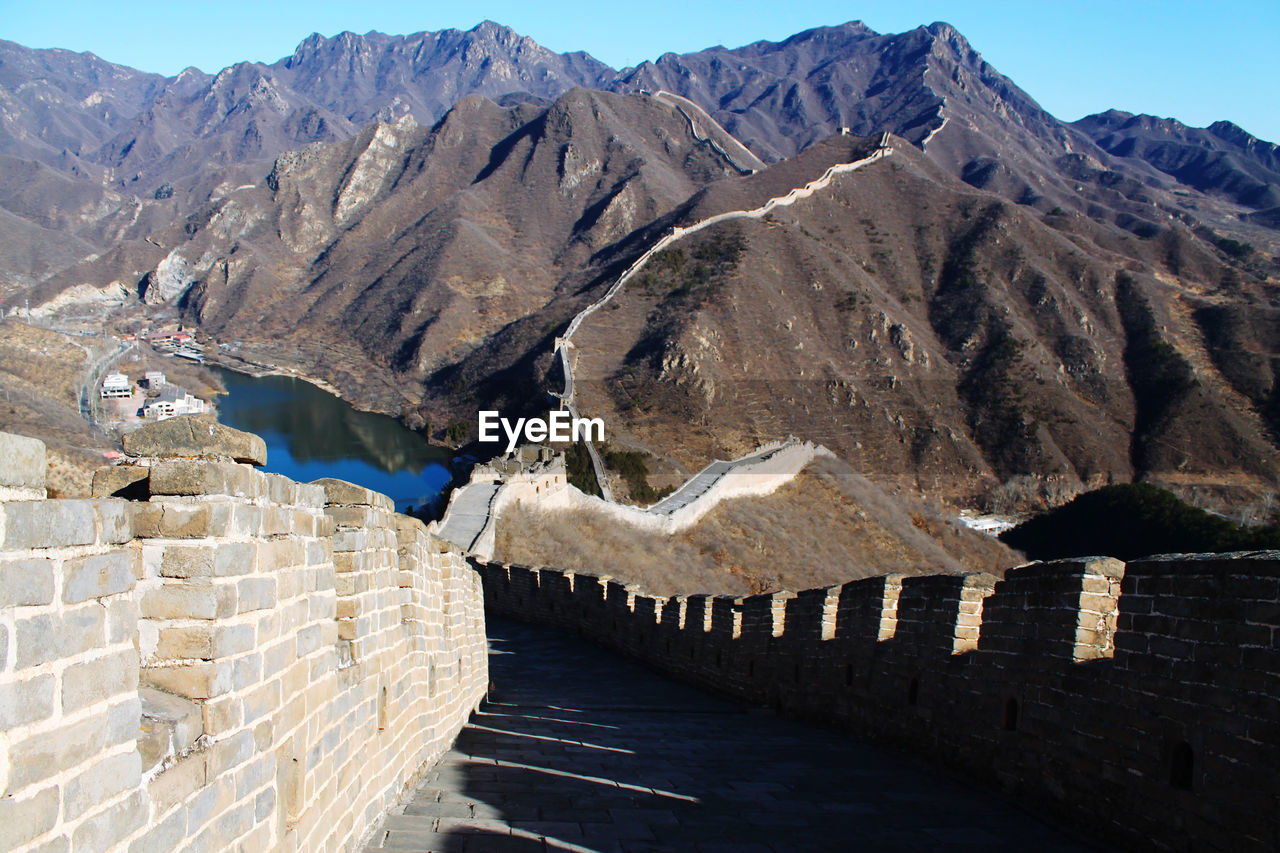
580, 750
468, 513
701, 483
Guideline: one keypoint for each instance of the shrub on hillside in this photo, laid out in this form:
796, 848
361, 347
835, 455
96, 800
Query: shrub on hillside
1132, 520
578, 469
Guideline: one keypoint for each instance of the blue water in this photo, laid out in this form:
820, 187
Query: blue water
311, 434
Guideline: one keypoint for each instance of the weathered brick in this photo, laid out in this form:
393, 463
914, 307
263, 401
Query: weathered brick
24, 464
198, 436
122, 720
169, 725
115, 521
204, 641
48, 524
46, 754
122, 620
54, 636
187, 478
193, 680
168, 834
101, 678
99, 575
110, 827
29, 817
256, 594
26, 582
124, 481
100, 783
340, 492
177, 784
189, 599
23, 702
176, 519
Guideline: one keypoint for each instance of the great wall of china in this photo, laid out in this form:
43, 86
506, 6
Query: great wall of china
231, 660
234, 661
1140, 701
473, 512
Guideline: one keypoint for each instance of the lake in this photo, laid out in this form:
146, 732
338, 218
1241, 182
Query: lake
312, 434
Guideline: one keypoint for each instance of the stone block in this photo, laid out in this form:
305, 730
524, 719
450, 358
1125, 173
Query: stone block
30, 817
24, 702
176, 784
108, 829
206, 641
177, 519
130, 482
168, 834
99, 575
201, 561
25, 583
256, 594
98, 679
22, 471
122, 620
54, 636
342, 493
202, 680
185, 478
169, 726
115, 521
48, 753
48, 524
122, 720
100, 783
195, 437
189, 599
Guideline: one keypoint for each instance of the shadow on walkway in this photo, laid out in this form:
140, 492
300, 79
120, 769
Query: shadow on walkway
579, 749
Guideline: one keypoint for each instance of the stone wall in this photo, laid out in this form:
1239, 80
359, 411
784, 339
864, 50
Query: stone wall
1140, 701
235, 661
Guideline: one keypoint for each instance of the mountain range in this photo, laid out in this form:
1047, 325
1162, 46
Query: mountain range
1007, 309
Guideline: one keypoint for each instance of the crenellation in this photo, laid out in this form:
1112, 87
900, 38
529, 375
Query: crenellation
1073, 683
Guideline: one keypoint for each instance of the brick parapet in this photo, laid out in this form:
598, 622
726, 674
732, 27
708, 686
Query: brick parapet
239, 661
1141, 700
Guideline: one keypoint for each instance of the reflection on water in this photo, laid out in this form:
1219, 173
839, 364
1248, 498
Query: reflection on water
312, 434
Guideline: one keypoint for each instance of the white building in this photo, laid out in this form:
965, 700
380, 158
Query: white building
171, 403
155, 380
116, 386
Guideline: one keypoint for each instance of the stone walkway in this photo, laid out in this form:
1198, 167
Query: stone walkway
468, 513
581, 750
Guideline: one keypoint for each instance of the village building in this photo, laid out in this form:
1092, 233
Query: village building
172, 402
116, 386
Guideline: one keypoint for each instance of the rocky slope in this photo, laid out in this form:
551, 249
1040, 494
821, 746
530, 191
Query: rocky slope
943, 339
378, 261
1007, 310
1221, 159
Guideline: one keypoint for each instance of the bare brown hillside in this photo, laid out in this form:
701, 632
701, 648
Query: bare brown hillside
828, 526
941, 339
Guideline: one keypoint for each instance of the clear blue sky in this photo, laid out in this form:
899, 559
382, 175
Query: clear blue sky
1194, 61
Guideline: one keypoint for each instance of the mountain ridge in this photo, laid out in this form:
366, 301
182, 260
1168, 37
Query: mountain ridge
1029, 307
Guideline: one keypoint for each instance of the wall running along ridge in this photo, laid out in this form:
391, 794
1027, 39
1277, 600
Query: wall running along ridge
239, 662
546, 489
564, 343
1141, 701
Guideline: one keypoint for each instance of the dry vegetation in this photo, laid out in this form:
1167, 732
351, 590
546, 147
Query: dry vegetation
40, 372
828, 526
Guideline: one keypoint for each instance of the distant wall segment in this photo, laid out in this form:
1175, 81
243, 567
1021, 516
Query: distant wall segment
235, 661
1141, 701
